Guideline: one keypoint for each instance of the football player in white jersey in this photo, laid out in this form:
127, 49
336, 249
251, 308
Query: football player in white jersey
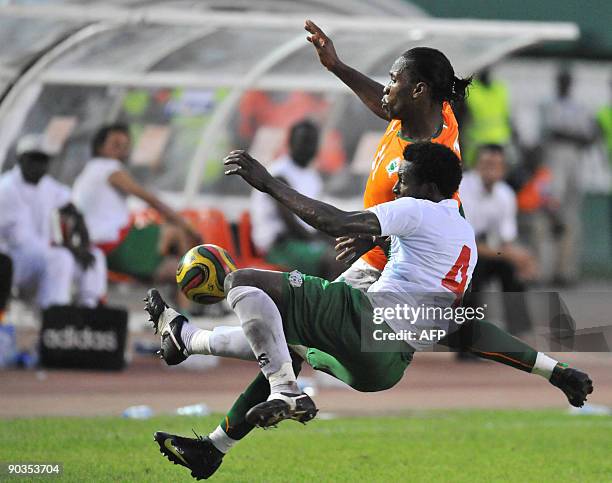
433, 254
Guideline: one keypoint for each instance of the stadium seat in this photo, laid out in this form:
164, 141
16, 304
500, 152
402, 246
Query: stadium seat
248, 255
214, 228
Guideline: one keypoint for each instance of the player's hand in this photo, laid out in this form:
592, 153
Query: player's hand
323, 45
83, 257
241, 163
350, 248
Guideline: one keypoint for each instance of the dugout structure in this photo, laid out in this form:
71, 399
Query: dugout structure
67, 66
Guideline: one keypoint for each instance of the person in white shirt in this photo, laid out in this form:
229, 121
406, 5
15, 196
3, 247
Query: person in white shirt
148, 252
568, 130
282, 237
32, 203
433, 254
490, 207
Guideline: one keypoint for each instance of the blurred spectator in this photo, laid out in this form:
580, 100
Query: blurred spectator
279, 112
490, 207
539, 221
604, 122
567, 130
100, 191
33, 204
279, 234
487, 118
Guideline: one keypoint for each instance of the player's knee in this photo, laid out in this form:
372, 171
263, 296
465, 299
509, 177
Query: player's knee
242, 277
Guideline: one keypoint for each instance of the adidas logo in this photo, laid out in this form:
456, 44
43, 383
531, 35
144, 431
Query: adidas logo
70, 337
263, 360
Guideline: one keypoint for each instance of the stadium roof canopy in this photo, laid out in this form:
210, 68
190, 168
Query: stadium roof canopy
237, 44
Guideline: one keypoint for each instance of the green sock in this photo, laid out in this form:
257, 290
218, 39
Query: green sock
234, 423
490, 342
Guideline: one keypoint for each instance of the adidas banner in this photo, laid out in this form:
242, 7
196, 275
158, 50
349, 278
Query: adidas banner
81, 338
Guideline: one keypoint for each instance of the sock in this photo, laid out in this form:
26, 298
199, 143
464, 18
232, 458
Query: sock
230, 342
263, 327
490, 342
221, 441
222, 341
544, 365
234, 424
196, 340
284, 380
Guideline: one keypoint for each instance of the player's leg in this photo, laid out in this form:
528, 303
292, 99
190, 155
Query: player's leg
55, 284
490, 342
320, 315
92, 282
257, 298
360, 275
180, 339
203, 455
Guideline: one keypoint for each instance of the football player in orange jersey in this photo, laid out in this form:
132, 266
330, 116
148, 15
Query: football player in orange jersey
417, 102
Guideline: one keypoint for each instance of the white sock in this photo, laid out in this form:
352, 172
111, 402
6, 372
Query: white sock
190, 333
544, 365
284, 380
221, 440
222, 341
263, 327
230, 342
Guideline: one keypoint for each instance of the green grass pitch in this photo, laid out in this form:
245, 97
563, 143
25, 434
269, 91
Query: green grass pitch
455, 446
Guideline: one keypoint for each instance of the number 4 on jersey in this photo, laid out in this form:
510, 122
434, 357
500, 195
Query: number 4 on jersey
460, 267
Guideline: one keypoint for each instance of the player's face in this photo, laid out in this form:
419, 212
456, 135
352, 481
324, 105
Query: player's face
116, 146
406, 184
491, 167
397, 97
33, 168
304, 145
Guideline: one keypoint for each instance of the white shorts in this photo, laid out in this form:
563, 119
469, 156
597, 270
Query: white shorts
360, 275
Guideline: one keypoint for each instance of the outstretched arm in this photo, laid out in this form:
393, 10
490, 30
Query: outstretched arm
369, 91
322, 216
122, 181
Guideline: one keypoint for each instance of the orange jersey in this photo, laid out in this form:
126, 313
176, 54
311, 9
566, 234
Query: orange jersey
389, 153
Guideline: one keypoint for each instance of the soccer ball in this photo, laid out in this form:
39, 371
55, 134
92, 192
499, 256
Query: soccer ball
201, 273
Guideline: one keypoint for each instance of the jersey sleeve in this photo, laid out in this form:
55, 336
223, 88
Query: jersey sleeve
110, 167
400, 217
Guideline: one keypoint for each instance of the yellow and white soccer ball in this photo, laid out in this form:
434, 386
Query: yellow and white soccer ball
201, 273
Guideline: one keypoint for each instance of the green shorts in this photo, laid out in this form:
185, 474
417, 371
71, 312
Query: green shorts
138, 254
301, 255
326, 317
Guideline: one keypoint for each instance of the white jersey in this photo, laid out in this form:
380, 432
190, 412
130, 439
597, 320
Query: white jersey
491, 214
27, 209
432, 258
104, 207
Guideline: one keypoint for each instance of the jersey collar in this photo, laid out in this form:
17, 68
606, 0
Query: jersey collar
410, 140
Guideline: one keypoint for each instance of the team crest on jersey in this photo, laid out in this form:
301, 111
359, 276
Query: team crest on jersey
296, 279
393, 166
